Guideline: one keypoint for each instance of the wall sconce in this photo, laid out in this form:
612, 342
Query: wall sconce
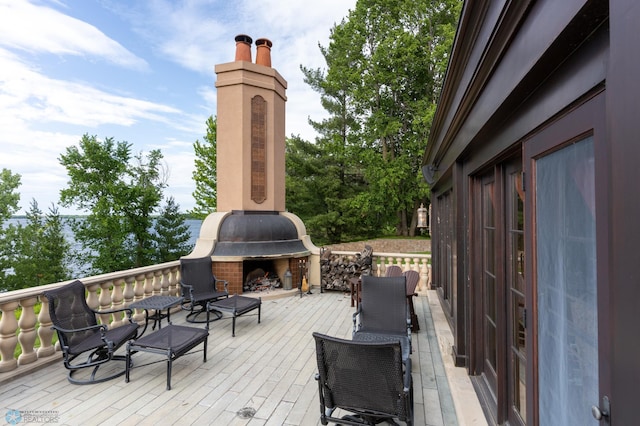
422, 216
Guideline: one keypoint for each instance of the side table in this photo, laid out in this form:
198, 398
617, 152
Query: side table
157, 304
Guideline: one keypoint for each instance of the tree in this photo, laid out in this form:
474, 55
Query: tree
9, 199
172, 233
40, 250
385, 65
205, 173
119, 192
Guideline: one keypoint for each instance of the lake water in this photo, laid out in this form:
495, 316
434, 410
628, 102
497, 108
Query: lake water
194, 230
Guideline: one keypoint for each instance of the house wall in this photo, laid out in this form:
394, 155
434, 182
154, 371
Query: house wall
515, 69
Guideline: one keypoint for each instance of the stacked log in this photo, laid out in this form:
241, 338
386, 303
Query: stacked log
338, 269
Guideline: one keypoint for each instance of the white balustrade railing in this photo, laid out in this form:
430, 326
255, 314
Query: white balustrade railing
21, 325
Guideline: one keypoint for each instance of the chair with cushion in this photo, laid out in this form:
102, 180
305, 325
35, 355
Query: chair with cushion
413, 278
393, 271
383, 313
80, 334
200, 286
368, 380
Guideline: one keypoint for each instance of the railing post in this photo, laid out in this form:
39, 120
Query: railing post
8, 338
27, 335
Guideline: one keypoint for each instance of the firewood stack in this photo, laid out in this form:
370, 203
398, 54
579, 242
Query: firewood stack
338, 269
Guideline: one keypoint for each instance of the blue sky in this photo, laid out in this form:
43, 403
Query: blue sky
140, 71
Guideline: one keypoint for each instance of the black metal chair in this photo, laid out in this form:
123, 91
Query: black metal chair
413, 278
383, 312
393, 271
79, 333
199, 287
370, 381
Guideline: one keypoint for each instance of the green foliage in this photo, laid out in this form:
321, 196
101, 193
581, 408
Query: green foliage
385, 64
172, 233
9, 199
205, 172
119, 192
41, 253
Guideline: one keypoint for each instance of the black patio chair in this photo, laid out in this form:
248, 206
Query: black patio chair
199, 287
79, 333
383, 312
368, 380
393, 271
413, 278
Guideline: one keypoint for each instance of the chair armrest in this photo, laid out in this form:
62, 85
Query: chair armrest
186, 288
225, 283
129, 311
407, 375
103, 328
355, 319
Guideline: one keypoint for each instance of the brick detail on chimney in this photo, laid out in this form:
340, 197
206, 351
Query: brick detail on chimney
258, 149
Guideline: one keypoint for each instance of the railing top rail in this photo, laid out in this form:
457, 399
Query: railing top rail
24, 293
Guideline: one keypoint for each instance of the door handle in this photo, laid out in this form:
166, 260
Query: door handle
604, 412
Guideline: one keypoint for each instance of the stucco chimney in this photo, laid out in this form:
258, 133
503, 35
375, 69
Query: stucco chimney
243, 48
263, 54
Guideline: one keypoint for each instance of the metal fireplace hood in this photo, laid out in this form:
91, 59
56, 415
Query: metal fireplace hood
242, 234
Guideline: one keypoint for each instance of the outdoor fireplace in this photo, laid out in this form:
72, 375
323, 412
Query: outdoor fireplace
251, 234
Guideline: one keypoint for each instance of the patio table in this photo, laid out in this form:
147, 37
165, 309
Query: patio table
158, 304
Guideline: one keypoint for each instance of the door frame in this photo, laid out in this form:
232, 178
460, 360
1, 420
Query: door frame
585, 117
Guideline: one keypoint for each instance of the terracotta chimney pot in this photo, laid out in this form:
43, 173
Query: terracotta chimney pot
243, 48
263, 54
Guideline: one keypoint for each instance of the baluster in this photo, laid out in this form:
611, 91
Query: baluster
424, 275
148, 284
45, 332
139, 294
8, 338
27, 335
390, 261
407, 264
382, 268
117, 302
128, 290
92, 296
176, 290
105, 302
157, 282
164, 281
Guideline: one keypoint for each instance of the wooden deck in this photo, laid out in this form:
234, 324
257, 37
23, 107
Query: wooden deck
267, 368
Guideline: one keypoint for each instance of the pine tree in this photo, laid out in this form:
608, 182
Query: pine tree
205, 172
172, 233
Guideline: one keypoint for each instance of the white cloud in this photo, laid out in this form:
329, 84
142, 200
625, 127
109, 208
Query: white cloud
41, 29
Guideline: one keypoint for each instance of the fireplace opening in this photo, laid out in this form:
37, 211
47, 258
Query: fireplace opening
260, 275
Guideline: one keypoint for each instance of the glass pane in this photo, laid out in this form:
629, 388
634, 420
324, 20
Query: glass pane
566, 285
520, 388
490, 342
